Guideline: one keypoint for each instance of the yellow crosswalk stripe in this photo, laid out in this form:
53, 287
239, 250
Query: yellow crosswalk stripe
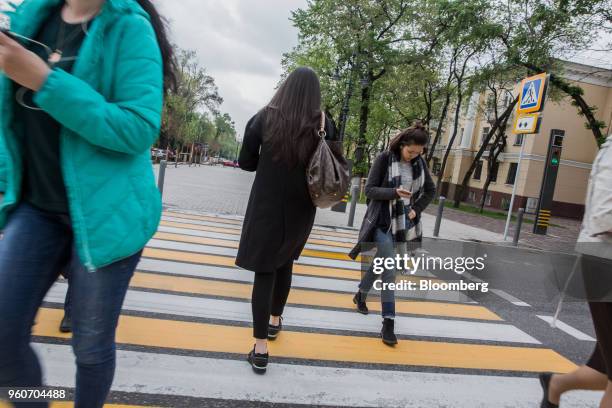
168, 236
170, 334
227, 261
70, 404
206, 228
237, 223
306, 296
220, 220
219, 260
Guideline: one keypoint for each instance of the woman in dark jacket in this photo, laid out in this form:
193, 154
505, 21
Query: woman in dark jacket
399, 187
278, 143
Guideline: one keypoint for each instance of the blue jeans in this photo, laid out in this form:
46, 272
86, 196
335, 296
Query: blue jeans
34, 247
384, 248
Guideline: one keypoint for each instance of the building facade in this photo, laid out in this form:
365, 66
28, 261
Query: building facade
578, 149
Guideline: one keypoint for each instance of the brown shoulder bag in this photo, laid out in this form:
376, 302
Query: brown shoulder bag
327, 174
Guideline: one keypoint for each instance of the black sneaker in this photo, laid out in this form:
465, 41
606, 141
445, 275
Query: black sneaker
545, 383
274, 330
66, 324
359, 300
259, 362
387, 332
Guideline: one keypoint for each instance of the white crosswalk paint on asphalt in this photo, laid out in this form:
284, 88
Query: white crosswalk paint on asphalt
312, 318
175, 375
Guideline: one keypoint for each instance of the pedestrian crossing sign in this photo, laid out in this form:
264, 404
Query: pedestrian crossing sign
533, 91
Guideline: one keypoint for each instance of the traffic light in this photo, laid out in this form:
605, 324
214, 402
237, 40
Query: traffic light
547, 191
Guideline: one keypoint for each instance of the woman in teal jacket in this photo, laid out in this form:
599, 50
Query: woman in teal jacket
81, 95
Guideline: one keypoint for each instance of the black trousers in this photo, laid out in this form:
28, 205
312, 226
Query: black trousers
601, 359
270, 293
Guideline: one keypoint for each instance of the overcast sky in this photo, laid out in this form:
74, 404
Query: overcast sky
239, 42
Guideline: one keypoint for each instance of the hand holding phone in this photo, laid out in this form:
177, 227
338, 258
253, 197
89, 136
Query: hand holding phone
403, 193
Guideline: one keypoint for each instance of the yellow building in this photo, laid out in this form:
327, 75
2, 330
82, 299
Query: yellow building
578, 149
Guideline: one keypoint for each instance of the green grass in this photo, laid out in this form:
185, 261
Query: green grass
498, 215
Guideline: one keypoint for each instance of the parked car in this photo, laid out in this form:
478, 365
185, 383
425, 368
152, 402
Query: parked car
229, 163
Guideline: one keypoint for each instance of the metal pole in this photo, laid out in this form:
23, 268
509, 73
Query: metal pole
161, 176
354, 199
516, 180
442, 199
519, 224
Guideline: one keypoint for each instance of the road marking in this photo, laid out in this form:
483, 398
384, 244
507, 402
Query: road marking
165, 236
331, 246
298, 281
515, 301
163, 222
326, 347
348, 321
305, 297
222, 220
316, 231
304, 385
215, 250
577, 334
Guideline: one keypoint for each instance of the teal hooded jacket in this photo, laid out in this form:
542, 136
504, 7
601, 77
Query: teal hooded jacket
110, 110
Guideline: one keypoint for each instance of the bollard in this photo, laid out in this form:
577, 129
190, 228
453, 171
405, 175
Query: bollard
442, 199
161, 176
519, 223
354, 199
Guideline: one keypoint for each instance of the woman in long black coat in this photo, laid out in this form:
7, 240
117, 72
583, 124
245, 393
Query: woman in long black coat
278, 143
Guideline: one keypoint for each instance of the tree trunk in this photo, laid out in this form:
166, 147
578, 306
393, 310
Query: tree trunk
503, 119
364, 113
500, 144
451, 140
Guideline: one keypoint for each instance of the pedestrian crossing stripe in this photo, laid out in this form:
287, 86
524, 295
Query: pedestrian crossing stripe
300, 269
306, 297
234, 244
316, 229
331, 241
201, 290
216, 338
70, 404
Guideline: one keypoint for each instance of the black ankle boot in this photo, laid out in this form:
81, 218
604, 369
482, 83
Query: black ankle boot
66, 324
387, 333
545, 383
359, 300
259, 362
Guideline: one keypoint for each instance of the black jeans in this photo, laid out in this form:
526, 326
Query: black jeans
270, 293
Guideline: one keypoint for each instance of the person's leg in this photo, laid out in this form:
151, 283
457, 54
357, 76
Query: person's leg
97, 298
261, 304
33, 247
594, 375
280, 293
384, 248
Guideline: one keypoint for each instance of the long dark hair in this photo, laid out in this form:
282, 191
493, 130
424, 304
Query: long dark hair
293, 117
159, 25
414, 135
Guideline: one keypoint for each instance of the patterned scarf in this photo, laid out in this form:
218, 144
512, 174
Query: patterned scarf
397, 208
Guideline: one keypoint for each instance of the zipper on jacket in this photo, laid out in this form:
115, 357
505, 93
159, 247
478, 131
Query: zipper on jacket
91, 268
